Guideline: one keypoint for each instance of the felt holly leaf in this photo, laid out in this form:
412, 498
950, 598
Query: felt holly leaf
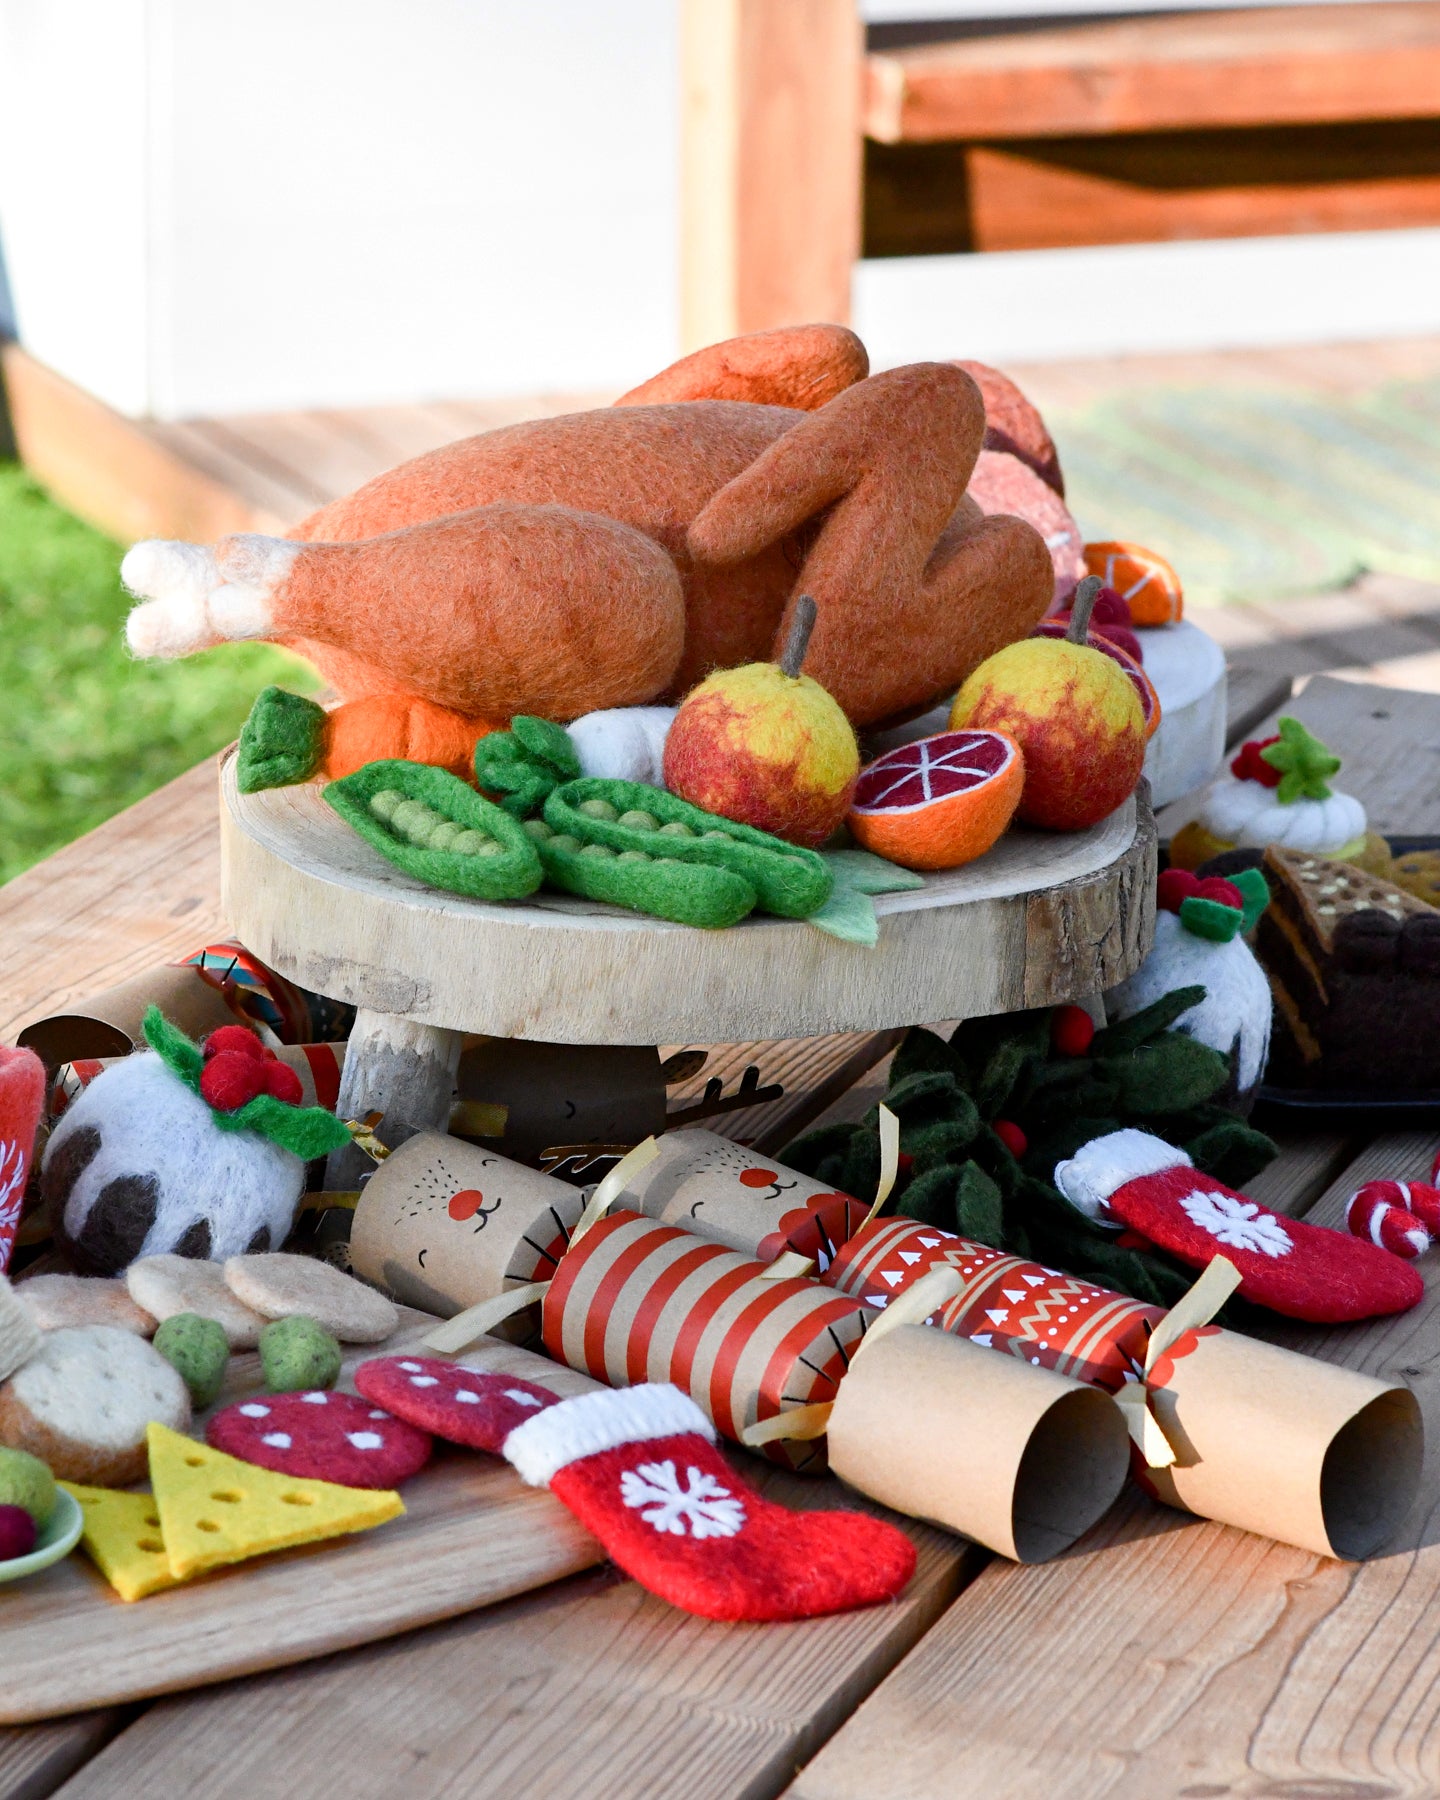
979, 1212
547, 743
808, 1151
927, 1095
1231, 1151
281, 742
1167, 1075
1128, 1034
1254, 891
943, 1142
1305, 764
925, 1051
930, 1198
179, 1053
1210, 919
306, 1131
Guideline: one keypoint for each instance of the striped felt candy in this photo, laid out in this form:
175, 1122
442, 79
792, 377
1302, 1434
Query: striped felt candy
1382, 1211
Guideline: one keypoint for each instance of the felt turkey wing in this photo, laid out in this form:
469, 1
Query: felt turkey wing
1302, 1271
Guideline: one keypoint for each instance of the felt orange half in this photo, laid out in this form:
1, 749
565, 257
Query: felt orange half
939, 802
1141, 576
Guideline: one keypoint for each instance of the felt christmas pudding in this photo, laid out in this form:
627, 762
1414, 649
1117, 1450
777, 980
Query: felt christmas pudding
197, 1151
618, 557
1200, 929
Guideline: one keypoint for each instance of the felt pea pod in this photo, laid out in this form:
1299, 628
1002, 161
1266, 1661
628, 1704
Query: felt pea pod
627, 816
654, 883
437, 828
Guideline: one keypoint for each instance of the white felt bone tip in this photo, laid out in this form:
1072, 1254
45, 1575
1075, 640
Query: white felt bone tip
591, 1423
1092, 1175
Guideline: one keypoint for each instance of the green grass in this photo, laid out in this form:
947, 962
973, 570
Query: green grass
86, 730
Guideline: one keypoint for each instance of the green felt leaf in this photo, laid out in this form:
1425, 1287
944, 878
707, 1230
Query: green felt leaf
1305, 764
547, 743
848, 915
1168, 1074
306, 1131
1254, 892
179, 1053
930, 1198
1210, 919
1125, 1035
1232, 1151
865, 873
281, 742
924, 1051
979, 1211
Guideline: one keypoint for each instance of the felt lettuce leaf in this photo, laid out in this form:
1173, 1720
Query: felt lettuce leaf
849, 913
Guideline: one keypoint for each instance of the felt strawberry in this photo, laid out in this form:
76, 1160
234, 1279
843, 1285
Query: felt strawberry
639, 1468
1131, 1179
22, 1100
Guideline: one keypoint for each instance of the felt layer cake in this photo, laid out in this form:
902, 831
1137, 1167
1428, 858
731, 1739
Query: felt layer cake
1354, 969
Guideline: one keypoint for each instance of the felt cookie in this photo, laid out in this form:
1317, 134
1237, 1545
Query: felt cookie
19, 1334
83, 1403
458, 1404
323, 1435
55, 1301
121, 1536
215, 1509
280, 1286
166, 1285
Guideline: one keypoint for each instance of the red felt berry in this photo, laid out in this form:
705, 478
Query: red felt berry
233, 1038
230, 1080
1072, 1030
1012, 1137
17, 1532
1174, 887
282, 1081
1216, 887
1250, 765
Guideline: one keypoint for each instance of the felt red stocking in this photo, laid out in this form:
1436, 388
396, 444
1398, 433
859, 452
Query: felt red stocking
639, 1468
22, 1100
1132, 1179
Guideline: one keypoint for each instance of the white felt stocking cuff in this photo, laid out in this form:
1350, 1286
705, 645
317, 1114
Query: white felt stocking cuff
591, 1423
1096, 1169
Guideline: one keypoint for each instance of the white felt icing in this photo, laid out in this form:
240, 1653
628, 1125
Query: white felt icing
625, 742
1236, 1007
591, 1423
1248, 812
150, 1123
1095, 1171
100, 1386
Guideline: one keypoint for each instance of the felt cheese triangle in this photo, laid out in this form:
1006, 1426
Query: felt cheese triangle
121, 1536
215, 1509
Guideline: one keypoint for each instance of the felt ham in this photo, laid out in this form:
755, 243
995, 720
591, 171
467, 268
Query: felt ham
321, 1436
615, 557
458, 1404
1133, 1180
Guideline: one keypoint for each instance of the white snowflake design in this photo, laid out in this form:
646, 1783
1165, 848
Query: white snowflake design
702, 1506
12, 1187
1239, 1223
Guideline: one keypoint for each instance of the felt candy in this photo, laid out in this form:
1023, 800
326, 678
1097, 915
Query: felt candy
615, 557
322, 1436
629, 818
1304, 1271
641, 1471
22, 1102
1373, 1212
463, 1406
433, 826
216, 1509
1418, 1198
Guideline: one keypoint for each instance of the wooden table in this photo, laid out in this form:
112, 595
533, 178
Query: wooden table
1163, 1656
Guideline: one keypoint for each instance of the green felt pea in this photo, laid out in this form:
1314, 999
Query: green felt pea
678, 828
443, 836
490, 848
197, 1350
563, 842
538, 829
408, 816
384, 803
638, 821
640, 856
469, 843
716, 834
597, 850
597, 809
297, 1354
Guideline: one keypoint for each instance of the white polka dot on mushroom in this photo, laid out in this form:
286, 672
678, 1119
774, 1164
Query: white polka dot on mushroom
379, 1413
466, 1398
254, 1410
316, 1399
410, 1368
277, 1440
366, 1440
424, 1381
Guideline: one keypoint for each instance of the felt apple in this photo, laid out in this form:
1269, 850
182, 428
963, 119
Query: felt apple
766, 745
1075, 714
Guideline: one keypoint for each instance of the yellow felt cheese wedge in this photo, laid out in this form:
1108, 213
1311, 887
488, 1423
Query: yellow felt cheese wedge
122, 1538
215, 1509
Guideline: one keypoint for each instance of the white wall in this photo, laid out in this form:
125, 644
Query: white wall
207, 206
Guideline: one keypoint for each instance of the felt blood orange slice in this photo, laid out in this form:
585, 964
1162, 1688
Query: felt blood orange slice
1145, 579
939, 802
1097, 640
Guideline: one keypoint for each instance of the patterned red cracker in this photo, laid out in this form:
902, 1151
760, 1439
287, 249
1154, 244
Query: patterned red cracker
460, 1405
321, 1435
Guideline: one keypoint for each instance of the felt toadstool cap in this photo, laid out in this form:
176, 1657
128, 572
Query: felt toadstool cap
253, 1099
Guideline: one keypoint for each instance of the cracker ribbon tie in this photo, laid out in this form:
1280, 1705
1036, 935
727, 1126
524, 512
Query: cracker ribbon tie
1193, 1309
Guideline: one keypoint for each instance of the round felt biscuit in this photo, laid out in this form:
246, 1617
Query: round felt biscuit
57, 1301
321, 1435
166, 1285
461, 1405
281, 1286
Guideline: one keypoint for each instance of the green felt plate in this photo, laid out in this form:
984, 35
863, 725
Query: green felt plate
58, 1538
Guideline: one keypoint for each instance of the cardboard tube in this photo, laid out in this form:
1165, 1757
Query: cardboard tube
1285, 1445
1018, 1458
442, 1225
750, 1203
546, 1095
637, 1301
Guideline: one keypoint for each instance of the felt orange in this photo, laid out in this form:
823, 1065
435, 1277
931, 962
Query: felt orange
1141, 576
939, 802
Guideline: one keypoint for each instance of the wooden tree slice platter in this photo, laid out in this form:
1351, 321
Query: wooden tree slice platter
1044, 917
472, 1534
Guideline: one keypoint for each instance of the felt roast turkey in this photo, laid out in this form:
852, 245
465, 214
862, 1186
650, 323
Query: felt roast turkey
199, 1151
613, 558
